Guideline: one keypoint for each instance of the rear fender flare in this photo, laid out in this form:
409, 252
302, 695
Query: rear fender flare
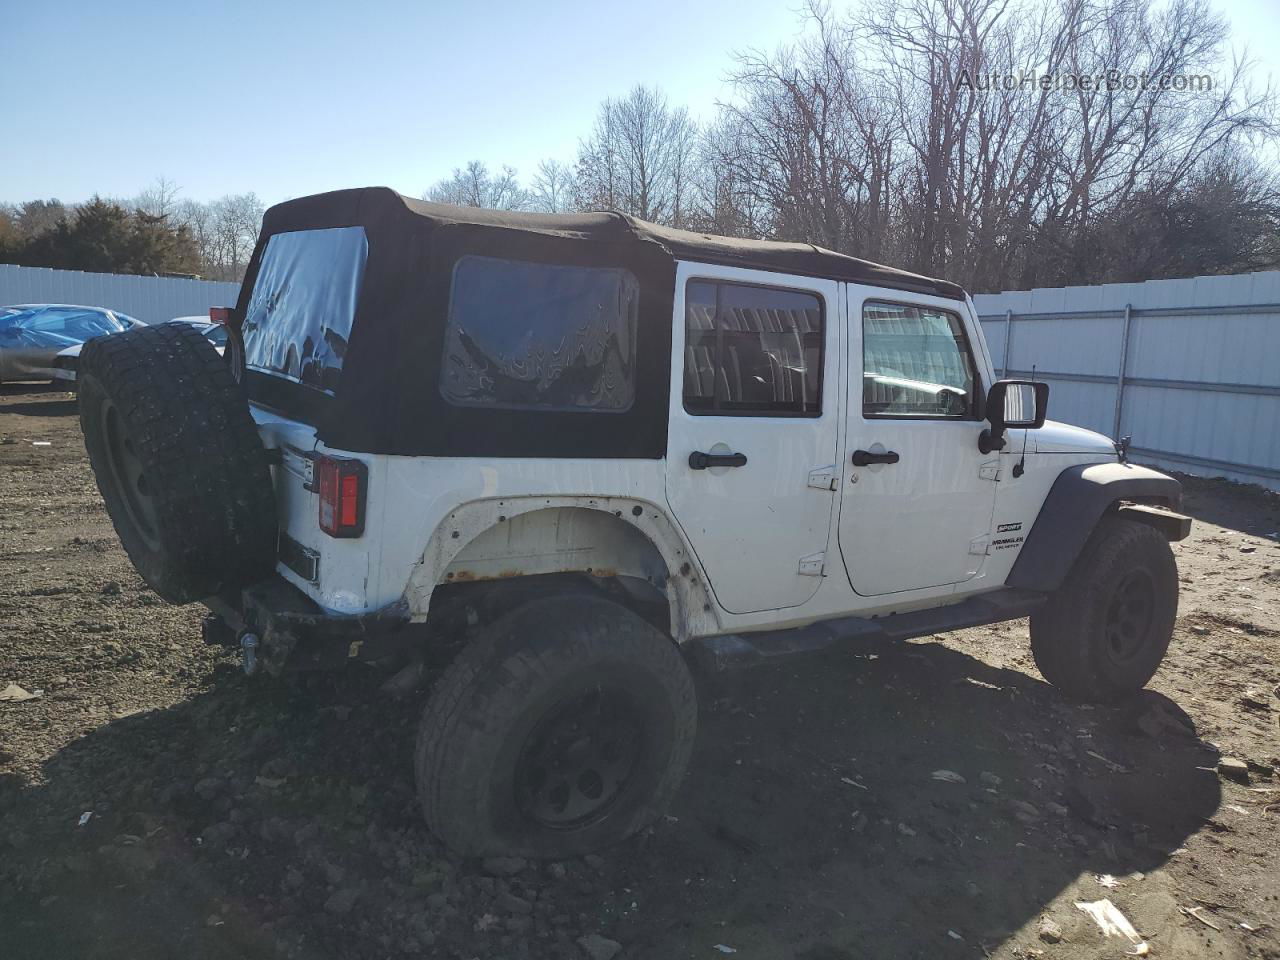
625, 537
1078, 499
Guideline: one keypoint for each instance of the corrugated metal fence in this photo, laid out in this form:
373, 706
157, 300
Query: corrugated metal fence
1189, 368
149, 299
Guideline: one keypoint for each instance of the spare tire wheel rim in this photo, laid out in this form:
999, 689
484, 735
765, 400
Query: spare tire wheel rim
1129, 616
129, 477
579, 759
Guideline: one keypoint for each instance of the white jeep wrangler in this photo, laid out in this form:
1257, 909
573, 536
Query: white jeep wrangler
563, 456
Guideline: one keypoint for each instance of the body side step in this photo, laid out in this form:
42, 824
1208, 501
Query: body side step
735, 651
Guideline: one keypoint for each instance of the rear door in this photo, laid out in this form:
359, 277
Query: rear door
753, 430
917, 495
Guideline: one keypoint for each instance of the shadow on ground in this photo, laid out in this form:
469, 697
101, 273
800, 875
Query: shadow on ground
1238, 506
241, 822
46, 400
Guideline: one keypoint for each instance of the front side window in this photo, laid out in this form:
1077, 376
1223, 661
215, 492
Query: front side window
539, 336
753, 351
916, 363
299, 316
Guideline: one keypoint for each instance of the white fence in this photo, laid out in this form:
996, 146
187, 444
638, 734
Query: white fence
1190, 369
149, 299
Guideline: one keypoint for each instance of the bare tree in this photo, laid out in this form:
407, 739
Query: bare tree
1118, 142
728, 199
639, 159
224, 232
872, 135
475, 186
813, 141
553, 187
160, 199
198, 219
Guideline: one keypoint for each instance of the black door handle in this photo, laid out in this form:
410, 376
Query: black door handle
864, 458
700, 461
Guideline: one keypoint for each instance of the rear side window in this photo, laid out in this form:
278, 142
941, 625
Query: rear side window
523, 335
916, 363
752, 351
304, 301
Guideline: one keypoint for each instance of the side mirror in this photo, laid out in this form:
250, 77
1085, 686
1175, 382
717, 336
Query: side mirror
1013, 405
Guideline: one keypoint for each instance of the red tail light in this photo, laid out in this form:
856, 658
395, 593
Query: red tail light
342, 484
220, 314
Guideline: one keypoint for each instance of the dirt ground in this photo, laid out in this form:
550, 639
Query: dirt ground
155, 802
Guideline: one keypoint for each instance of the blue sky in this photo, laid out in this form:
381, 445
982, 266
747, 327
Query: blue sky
286, 98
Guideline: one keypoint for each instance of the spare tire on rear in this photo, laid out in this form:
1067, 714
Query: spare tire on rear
178, 459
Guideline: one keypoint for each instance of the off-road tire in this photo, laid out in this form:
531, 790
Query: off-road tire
178, 460
483, 716
1076, 637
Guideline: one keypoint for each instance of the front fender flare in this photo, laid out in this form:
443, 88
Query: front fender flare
1076, 502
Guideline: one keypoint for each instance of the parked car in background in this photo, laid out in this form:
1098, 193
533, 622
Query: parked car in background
67, 361
33, 334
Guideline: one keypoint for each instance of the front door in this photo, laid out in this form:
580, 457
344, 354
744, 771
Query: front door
752, 438
917, 495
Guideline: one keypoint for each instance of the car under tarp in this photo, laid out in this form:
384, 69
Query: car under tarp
399, 326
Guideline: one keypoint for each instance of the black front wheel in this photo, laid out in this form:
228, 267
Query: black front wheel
1104, 633
564, 728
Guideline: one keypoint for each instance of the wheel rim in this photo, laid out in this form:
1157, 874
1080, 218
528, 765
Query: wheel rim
1129, 616
129, 477
579, 759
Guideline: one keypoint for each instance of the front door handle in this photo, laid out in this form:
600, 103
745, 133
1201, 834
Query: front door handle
864, 458
700, 461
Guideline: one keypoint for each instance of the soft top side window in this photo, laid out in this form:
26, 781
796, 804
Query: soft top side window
752, 350
916, 363
540, 336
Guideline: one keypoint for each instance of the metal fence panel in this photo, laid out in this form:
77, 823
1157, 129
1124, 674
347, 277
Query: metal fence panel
1190, 369
150, 299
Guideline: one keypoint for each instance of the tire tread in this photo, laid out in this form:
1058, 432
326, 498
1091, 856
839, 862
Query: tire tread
190, 424
1064, 630
510, 654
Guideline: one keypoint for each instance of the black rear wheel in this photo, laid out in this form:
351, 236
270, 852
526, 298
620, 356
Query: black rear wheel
1103, 634
564, 728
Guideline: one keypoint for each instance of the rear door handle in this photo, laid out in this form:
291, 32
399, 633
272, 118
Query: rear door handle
700, 461
864, 458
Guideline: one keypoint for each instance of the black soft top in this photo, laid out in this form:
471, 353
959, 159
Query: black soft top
804, 259
388, 400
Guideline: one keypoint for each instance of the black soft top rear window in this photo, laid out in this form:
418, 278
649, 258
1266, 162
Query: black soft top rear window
299, 317
525, 335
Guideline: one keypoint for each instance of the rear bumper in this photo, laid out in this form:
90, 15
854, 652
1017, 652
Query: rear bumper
294, 633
